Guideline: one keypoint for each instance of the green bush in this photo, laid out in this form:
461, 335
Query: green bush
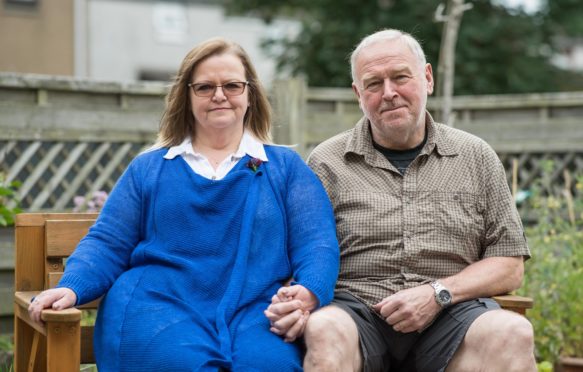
6, 352
9, 203
554, 275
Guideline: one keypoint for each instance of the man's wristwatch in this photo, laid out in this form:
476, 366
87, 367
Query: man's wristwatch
442, 295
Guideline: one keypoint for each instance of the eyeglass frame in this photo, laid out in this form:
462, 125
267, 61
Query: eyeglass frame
192, 85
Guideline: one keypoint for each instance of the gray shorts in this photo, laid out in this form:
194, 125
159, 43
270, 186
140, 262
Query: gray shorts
384, 349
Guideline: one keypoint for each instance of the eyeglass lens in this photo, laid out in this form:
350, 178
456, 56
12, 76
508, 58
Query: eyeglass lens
233, 88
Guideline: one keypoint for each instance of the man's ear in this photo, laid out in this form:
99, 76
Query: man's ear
355, 89
429, 78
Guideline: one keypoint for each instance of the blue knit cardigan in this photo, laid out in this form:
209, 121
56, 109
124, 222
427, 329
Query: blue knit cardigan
176, 253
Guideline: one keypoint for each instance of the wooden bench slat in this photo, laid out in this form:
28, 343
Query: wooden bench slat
39, 219
62, 236
514, 301
87, 356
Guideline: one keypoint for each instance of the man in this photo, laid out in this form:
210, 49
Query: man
427, 229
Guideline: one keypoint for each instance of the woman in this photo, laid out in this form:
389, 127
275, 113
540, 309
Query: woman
200, 232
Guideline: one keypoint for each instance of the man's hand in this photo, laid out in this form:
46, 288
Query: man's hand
56, 298
409, 310
289, 311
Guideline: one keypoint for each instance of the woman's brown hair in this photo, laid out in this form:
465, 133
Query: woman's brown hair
178, 121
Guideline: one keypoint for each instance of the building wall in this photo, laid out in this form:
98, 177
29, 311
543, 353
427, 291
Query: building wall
37, 37
571, 55
123, 40
147, 40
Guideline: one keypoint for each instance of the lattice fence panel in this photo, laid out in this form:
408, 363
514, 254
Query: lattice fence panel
531, 167
54, 172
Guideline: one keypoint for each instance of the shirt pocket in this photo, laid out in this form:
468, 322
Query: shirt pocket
457, 213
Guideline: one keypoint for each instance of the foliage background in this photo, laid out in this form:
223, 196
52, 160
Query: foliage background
9, 203
499, 50
554, 275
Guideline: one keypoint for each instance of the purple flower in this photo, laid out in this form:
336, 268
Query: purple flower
90, 203
254, 164
79, 202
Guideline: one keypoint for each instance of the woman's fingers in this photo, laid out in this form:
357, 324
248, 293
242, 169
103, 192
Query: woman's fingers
284, 324
297, 330
56, 298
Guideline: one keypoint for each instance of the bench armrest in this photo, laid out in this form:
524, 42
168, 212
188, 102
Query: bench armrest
514, 303
22, 300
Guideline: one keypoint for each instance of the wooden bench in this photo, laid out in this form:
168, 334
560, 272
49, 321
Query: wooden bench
43, 241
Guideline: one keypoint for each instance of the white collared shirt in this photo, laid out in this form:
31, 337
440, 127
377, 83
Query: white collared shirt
200, 164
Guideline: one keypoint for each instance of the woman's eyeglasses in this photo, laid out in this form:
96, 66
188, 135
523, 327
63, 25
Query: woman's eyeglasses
233, 88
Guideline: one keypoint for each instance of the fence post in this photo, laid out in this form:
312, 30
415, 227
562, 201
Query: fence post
289, 105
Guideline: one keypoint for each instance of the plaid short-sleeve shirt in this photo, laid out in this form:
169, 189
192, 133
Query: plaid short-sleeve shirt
451, 208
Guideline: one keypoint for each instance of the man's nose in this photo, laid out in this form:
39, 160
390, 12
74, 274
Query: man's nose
389, 91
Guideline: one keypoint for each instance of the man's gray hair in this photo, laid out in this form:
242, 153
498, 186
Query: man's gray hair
387, 35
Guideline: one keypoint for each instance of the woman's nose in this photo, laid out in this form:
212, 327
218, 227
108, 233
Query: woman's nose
219, 94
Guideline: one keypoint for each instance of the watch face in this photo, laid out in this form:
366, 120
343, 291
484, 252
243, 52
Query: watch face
444, 297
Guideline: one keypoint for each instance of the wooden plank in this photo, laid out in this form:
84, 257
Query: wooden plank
53, 279
62, 236
71, 315
28, 82
331, 94
29, 262
53, 264
38, 219
575, 364
504, 101
514, 301
83, 122
23, 340
34, 351
63, 346
72, 135
87, 355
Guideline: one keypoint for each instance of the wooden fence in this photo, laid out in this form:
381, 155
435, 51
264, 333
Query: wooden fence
525, 130
64, 137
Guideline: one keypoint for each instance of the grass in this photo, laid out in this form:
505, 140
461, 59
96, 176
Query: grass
6, 353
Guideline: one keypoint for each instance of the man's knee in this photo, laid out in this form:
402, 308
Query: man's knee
517, 330
501, 338
505, 329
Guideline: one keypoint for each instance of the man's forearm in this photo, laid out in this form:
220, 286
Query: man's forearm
486, 278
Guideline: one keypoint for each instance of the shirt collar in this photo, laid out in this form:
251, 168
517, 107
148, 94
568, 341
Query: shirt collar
249, 145
360, 141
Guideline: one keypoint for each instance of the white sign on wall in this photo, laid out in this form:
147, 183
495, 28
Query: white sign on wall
170, 23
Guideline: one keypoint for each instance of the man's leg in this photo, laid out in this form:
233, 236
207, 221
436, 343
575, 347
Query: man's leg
332, 341
497, 340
